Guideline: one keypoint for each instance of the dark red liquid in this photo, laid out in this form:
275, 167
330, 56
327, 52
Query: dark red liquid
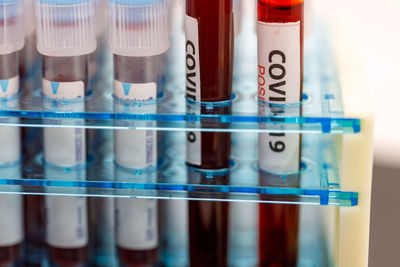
9, 255
208, 226
278, 239
145, 258
208, 221
215, 20
215, 146
62, 257
278, 235
279, 224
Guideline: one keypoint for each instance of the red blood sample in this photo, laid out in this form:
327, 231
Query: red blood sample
278, 239
208, 221
278, 226
208, 226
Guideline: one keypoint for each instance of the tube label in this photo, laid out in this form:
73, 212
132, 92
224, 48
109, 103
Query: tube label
279, 62
136, 149
279, 153
279, 78
136, 224
65, 147
193, 143
66, 225
10, 143
135, 92
193, 87
11, 228
9, 87
63, 90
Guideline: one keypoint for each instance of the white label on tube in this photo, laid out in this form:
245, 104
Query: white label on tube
65, 147
66, 225
279, 77
136, 224
193, 87
11, 230
279, 152
135, 91
9, 87
63, 90
193, 142
10, 143
136, 149
279, 62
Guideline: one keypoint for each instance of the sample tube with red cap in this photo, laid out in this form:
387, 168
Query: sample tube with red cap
209, 27
280, 75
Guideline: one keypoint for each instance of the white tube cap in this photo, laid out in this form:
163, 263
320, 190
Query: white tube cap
138, 28
12, 35
65, 27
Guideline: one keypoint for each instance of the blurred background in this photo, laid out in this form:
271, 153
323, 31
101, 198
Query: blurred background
374, 28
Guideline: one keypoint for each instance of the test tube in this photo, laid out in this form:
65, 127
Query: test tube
209, 27
11, 41
11, 206
280, 76
138, 39
65, 38
66, 216
136, 220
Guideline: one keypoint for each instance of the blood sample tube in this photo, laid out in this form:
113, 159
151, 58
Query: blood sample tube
280, 65
280, 50
208, 222
209, 27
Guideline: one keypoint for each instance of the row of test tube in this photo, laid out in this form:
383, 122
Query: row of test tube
138, 33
